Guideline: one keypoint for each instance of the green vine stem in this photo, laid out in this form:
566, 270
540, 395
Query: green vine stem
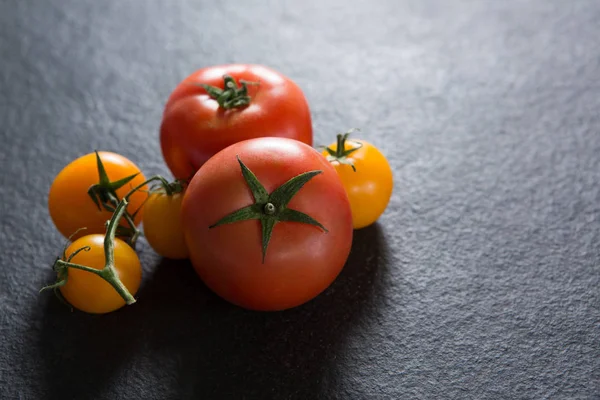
109, 273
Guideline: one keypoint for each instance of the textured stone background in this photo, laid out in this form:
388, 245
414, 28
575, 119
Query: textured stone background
481, 281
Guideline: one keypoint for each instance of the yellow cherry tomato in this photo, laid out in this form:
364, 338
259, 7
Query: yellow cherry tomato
87, 291
366, 176
70, 205
163, 226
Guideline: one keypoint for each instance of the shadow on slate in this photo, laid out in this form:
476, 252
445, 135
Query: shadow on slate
211, 348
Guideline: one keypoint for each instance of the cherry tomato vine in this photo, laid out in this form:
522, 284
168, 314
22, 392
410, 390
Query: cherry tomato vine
103, 194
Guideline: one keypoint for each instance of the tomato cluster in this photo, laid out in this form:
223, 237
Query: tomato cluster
265, 218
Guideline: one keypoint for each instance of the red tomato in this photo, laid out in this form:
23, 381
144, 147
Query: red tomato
302, 258
196, 126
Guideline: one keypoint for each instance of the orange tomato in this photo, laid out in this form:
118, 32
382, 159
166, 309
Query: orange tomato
162, 225
369, 186
89, 292
69, 204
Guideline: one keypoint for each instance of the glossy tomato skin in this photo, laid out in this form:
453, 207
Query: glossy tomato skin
194, 127
301, 260
370, 187
90, 293
69, 204
163, 226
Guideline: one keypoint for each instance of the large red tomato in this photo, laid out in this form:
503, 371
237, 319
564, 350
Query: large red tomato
214, 108
267, 223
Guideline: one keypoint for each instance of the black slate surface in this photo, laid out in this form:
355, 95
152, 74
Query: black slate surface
481, 281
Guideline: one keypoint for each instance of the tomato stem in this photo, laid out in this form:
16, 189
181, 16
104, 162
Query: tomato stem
108, 273
340, 154
232, 95
67, 264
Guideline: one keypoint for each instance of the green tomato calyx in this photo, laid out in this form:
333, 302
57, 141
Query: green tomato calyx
169, 188
340, 154
232, 95
272, 208
104, 195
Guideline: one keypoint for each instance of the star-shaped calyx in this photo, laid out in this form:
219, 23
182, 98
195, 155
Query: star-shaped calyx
272, 208
104, 193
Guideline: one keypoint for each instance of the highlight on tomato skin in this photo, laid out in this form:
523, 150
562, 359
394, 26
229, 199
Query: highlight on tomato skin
366, 176
217, 106
70, 205
267, 223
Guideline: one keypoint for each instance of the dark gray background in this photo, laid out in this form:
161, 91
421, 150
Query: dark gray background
481, 281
